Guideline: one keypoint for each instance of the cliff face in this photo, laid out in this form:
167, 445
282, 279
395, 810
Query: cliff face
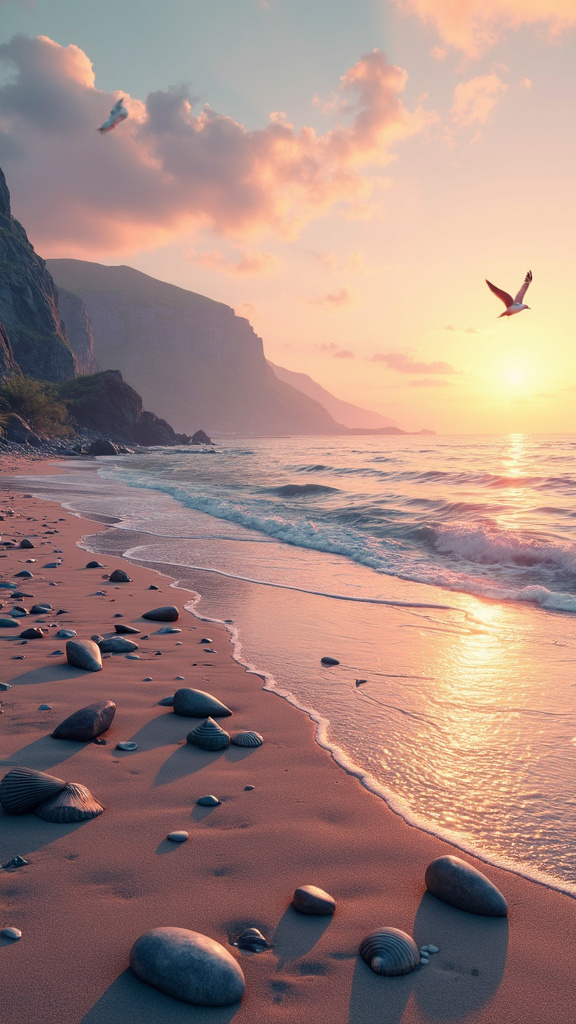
343, 412
192, 359
79, 330
29, 303
8, 365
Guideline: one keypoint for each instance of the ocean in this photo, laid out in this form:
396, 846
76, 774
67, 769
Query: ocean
439, 571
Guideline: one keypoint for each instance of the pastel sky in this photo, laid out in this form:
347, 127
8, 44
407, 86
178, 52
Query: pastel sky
344, 175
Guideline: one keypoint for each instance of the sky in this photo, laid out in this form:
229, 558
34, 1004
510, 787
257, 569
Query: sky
346, 176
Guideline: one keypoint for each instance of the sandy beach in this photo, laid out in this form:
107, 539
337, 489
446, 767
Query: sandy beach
89, 890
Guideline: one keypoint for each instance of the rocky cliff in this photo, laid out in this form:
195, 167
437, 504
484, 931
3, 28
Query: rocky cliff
29, 303
79, 330
191, 358
343, 412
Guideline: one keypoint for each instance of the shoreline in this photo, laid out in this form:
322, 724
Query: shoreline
332, 833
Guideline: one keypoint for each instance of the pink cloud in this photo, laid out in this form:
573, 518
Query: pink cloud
333, 300
475, 100
404, 363
170, 169
344, 353
475, 25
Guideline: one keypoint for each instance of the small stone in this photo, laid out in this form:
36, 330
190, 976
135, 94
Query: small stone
16, 862
40, 609
167, 629
166, 702
87, 723
177, 837
51, 565
26, 543
198, 704
5, 686
188, 966
94, 565
205, 640
119, 576
117, 645
100, 593
126, 745
178, 643
132, 657
329, 661
24, 574
210, 650
308, 899
11, 933
209, 801
34, 633
248, 788
8, 623
45, 707
180, 677
424, 960
65, 634
168, 613
84, 654
96, 638
121, 627
153, 587
147, 679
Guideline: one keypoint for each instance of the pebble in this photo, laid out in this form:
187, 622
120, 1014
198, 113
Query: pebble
205, 640
84, 654
188, 966
126, 745
429, 949
153, 587
167, 629
166, 702
65, 634
51, 565
121, 627
45, 707
178, 643
180, 678
16, 862
210, 650
94, 565
147, 679
246, 788
96, 638
133, 657
309, 899
177, 837
209, 801
117, 645
424, 960
119, 576
461, 885
5, 686
167, 613
40, 609
34, 633
53, 653
11, 933
329, 661
8, 623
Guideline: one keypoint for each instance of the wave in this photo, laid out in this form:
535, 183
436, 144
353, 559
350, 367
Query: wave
299, 490
483, 546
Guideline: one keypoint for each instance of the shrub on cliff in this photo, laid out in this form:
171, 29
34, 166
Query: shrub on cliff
37, 403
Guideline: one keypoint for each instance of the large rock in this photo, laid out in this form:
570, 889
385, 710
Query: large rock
29, 303
18, 431
198, 704
167, 613
151, 430
84, 654
463, 886
117, 645
87, 723
309, 899
188, 966
200, 437
102, 447
119, 576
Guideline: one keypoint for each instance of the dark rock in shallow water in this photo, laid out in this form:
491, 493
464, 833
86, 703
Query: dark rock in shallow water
308, 899
84, 654
198, 704
117, 645
188, 966
200, 437
119, 576
121, 627
463, 886
87, 723
168, 613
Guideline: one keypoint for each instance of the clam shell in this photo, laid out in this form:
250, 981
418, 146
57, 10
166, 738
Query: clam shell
390, 952
252, 940
246, 739
209, 736
73, 803
22, 789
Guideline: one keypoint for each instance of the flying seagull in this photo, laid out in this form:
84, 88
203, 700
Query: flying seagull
512, 305
117, 114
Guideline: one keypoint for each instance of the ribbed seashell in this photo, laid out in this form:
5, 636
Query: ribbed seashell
22, 789
209, 736
73, 803
246, 739
252, 940
390, 952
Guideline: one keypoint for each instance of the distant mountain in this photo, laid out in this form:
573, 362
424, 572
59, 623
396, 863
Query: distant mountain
344, 412
192, 359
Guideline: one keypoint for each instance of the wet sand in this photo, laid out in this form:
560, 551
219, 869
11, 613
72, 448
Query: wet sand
91, 889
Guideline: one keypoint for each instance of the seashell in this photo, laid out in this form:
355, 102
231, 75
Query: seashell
209, 736
461, 885
390, 952
126, 745
246, 739
73, 803
252, 940
208, 801
23, 789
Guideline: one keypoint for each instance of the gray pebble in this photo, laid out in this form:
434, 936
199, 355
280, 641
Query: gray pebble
11, 933
177, 837
188, 966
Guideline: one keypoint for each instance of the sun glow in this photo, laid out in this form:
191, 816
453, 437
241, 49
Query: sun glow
515, 376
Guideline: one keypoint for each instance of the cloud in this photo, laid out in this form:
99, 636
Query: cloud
404, 363
248, 262
172, 168
344, 353
473, 26
461, 330
475, 100
333, 300
425, 383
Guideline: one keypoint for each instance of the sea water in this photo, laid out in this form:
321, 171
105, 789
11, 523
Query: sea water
440, 571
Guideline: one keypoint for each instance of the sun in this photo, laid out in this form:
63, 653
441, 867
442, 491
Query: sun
515, 376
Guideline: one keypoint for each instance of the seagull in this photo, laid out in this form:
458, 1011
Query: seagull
512, 305
117, 114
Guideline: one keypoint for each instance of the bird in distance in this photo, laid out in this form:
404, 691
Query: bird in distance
512, 305
117, 114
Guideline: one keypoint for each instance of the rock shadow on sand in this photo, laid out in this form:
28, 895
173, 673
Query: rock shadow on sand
24, 834
44, 754
52, 672
129, 999
163, 731
465, 974
186, 760
296, 934
377, 1000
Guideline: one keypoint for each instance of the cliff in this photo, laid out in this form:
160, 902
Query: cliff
29, 303
191, 358
344, 412
79, 330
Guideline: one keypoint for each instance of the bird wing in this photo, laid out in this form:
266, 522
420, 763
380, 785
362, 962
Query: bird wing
506, 299
524, 288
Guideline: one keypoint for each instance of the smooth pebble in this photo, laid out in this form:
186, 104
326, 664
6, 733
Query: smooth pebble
11, 933
177, 837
